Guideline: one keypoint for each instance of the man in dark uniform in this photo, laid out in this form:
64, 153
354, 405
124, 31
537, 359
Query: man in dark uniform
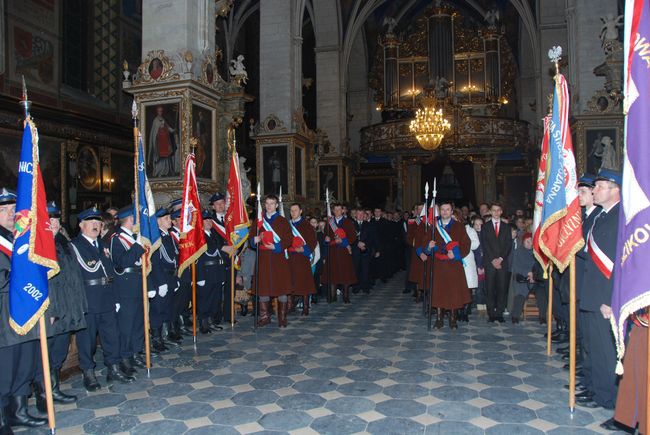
19, 353
209, 276
126, 253
97, 269
162, 279
65, 314
218, 203
183, 295
596, 291
362, 251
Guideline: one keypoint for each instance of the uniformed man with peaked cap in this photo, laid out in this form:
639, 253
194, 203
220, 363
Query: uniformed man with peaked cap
97, 270
126, 253
19, 352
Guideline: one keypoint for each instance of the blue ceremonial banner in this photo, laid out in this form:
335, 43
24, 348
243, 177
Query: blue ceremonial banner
631, 286
147, 221
33, 259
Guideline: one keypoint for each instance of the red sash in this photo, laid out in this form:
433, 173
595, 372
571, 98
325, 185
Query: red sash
6, 247
602, 261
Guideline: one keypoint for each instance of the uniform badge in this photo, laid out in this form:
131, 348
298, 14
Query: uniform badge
91, 263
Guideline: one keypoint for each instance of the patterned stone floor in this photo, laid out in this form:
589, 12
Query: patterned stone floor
368, 367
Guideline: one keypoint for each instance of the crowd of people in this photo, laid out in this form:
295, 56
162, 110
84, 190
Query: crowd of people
463, 259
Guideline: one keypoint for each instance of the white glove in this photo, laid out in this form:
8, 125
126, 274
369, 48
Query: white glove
201, 283
117, 308
162, 290
151, 294
178, 285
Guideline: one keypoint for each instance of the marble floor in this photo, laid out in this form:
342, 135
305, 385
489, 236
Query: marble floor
368, 367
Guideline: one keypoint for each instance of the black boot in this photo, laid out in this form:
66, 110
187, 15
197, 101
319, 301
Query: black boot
244, 309
157, 343
205, 326
113, 374
137, 361
174, 335
127, 368
39, 395
5, 429
19, 415
168, 336
90, 381
184, 327
57, 394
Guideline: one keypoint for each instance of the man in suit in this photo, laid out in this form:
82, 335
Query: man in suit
496, 241
596, 291
362, 251
97, 270
126, 253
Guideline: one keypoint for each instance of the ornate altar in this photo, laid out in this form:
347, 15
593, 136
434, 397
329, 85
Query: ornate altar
180, 99
466, 64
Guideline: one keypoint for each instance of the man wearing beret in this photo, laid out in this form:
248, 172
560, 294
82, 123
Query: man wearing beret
271, 240
126, 253
339, 269
218, 203
97, 270
596, 292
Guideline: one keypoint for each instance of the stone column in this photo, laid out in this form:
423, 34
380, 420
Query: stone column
280, 61
176, 26
412, 191
331, 95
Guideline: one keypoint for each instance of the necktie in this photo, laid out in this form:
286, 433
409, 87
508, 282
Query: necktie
95, 244
496, 228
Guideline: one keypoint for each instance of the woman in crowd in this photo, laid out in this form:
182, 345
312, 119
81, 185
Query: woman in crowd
479, 294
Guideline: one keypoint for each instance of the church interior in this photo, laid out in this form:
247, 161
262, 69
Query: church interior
362, 102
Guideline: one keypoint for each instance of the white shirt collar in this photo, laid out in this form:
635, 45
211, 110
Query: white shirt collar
614, 205
91, 241
590, 210
128, 231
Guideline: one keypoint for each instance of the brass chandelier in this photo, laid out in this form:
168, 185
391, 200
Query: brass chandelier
429, 125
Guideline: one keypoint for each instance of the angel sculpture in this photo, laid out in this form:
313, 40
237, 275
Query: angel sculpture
492, 17
238, 70
609, 29
391, 23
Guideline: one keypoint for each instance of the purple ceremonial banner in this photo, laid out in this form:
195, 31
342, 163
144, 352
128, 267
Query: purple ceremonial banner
631, 285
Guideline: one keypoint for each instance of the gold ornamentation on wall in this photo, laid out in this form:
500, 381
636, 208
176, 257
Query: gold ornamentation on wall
156, 67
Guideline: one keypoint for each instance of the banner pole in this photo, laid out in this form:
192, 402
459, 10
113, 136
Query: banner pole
647, 368
232, 290
47, 381
194, 302
572, 335
549, 310
143, 258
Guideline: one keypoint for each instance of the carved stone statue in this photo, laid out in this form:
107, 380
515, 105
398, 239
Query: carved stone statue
609, 30
608, 154
391, 23
492, 17
238, 70
441, 85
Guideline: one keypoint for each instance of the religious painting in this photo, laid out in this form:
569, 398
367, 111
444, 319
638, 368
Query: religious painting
328, 179
88, 168
602, 149
202, 131
274, 168
155, 68
162, 140
33, 54
298, 165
